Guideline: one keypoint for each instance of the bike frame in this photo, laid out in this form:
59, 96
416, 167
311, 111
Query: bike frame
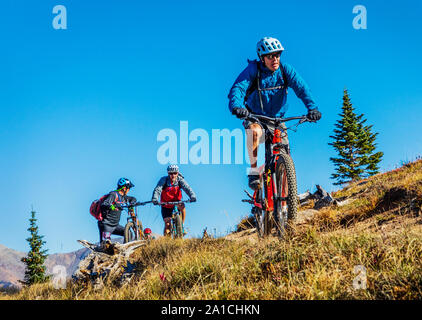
133, 215
132, 211
267, 201
175, 212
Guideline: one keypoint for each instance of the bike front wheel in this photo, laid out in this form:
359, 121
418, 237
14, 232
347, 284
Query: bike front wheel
285, 210
178, 228
131, 232
260, 215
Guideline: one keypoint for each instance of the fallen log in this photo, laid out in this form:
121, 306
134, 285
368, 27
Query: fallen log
322, 199
106, 262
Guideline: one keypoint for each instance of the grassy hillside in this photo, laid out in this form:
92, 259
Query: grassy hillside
380, 228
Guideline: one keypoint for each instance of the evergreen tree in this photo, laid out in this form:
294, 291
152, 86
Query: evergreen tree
355, 146
34, 261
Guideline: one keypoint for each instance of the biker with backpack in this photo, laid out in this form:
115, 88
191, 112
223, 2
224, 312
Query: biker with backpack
169, 189
261, 88
107, 209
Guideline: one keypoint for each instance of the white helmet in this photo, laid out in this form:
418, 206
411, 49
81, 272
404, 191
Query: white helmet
172, 168
268, 45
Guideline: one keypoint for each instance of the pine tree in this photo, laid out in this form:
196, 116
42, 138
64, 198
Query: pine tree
355, 146
35, 269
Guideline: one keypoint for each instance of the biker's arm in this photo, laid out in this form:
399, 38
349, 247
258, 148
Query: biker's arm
241, 85
186, 188
158, 189
108, 203
299, 86
130, 199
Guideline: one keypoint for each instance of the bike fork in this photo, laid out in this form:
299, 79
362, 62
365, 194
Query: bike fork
274, 186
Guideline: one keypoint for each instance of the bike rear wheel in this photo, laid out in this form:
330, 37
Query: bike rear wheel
285, 211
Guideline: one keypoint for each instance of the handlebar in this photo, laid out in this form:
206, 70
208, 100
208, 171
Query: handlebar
175, 203
260, 117
137, 204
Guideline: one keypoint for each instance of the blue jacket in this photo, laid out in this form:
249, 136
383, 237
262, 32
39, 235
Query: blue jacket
274, 101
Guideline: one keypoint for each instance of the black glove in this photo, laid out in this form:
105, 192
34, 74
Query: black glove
314, 115
131, 200
193, 200
241, 113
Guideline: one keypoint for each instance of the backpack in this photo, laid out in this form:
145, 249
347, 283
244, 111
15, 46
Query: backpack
255, 86
95, 208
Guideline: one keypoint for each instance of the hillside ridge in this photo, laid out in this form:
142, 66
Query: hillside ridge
378, 231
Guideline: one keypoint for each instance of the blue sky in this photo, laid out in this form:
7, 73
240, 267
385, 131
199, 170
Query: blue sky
82, 107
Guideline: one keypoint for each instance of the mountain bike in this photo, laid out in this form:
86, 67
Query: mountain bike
176, 226
133, 227
275, 202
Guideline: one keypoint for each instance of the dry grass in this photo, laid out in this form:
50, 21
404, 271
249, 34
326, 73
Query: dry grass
380, 230
305, 266
395, 193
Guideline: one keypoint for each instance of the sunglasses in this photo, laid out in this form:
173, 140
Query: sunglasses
173, 173
273, 55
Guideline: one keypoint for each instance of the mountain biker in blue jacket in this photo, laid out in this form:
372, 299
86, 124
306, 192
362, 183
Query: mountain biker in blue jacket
111, 209
261, 88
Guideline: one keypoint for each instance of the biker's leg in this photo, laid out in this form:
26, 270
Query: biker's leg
167, 227
254, 134
166, 213
285, 138
182, 209
100, 229
119, 231
105, 231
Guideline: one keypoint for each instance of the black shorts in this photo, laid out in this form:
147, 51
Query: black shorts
271, 127
166, 212
104, 229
